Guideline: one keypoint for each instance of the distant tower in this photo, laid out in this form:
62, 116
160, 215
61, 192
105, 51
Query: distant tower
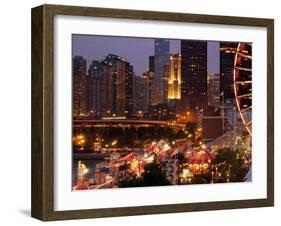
108, 89
174, 80
141, 94
150, 75
79, 86
214, 90
161, 58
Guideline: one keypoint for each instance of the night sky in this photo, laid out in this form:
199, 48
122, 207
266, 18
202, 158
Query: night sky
136, 50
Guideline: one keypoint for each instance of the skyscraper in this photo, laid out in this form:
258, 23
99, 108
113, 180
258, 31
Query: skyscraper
227, 55
141, 94
121, 82
109, 92
150, 76
129, 89
174, 80
95, 89
214, 90
79, 86
193, 73
161, 58
194, 67
151, 63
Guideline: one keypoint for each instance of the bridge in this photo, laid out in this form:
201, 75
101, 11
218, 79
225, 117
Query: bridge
125, 122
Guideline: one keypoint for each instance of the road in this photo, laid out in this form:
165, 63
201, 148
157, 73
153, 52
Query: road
129, 122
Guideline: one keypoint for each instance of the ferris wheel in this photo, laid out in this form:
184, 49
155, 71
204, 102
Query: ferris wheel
242, 80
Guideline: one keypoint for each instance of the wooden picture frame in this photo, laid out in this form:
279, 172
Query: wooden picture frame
43, 111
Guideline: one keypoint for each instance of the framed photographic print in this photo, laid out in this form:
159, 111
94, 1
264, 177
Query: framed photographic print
141, 112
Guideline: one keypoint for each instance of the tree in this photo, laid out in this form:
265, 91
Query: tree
191, 127
225, 155
130, 180
152, 176
230, 162
202, 178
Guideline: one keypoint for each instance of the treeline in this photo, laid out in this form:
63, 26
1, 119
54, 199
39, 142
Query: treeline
129, 136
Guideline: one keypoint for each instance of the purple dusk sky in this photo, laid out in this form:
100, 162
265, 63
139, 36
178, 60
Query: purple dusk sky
136, 50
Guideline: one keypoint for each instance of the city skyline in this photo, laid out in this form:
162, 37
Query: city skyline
93, 47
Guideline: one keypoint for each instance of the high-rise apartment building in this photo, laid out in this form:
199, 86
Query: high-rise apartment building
141, 94
121, 84
95, 89
79, 86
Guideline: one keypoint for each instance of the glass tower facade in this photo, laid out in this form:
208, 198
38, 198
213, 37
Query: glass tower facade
193, 67
161, 59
